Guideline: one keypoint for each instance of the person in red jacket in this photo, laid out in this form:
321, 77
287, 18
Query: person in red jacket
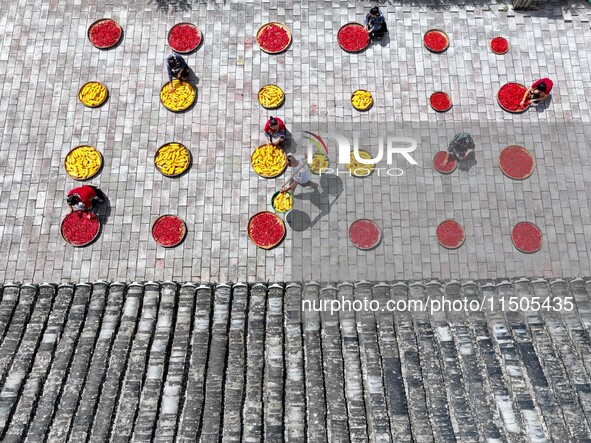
84, 198
275, 131
537, 92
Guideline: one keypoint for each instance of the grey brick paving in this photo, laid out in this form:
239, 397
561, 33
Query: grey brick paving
45, 56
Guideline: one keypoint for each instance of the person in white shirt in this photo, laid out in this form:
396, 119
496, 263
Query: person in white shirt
301, 175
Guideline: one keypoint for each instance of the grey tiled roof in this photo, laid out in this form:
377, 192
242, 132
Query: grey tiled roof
166, 362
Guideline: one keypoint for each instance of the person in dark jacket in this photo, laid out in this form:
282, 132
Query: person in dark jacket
375, 23
177, 67
461, 146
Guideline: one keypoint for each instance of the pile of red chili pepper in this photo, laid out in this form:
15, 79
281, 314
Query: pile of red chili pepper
527, 237
105, 33
435, 41
184, 37
510, 96
440, 101
266, 229
499, 45
78, 229
273, 38
168, 230
450, 234
438, 160
353, 37
516, 162
364, 234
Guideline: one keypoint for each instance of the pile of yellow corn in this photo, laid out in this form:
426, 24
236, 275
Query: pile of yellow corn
319, 163
83, 162
180, 98
357, 168
283, 202
270, 96
93, 94
268, 160
172, 159
361, 100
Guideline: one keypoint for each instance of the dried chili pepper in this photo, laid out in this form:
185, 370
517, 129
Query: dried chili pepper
499, 45
440, 101
364, 234
80, 227
438, 160
510, 96
273, 38
435, 41
450, 234
527, 237
105, 33
353, 37
184, 37
516, 162
266, 229
168, 230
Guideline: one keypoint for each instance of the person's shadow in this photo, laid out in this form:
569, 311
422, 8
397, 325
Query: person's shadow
332, 187
192, 78
467, 163
289, 145
384, 41
544, 104
103, 210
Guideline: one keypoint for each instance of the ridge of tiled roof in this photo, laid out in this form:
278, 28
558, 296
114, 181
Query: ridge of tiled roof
171, 361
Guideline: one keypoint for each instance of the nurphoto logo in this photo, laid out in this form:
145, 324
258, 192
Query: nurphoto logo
348, 153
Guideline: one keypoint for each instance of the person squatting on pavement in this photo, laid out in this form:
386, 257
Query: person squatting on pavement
375, 23
275, 131
84, 198
177, 67
461, 146
537, 92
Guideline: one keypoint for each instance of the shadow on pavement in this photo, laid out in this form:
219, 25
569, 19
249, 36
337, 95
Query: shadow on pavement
543, 105
467, 163
298, 220
332, 187
103, 210
174, 5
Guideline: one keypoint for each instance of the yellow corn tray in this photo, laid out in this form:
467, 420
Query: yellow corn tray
282, 202
268, 161
172, 159
83, 162
362, 100
355, 165
93, 94
319, 161
181, 98
271, 96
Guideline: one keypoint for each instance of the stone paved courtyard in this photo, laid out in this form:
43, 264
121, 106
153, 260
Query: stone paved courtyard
45, 57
